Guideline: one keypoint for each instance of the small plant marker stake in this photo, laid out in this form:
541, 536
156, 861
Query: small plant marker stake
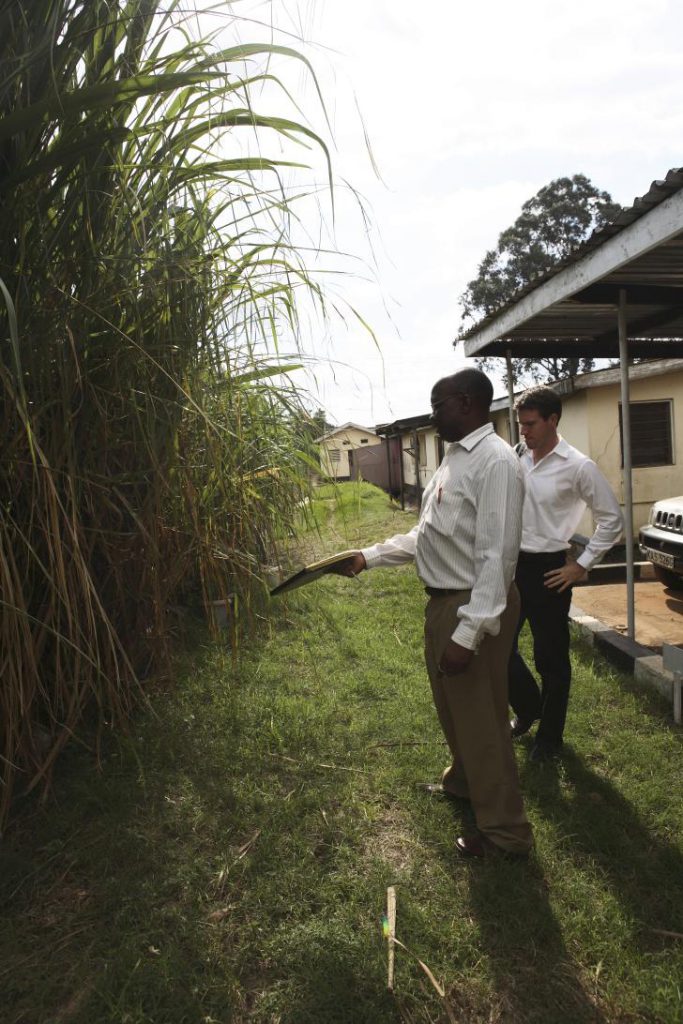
391, 920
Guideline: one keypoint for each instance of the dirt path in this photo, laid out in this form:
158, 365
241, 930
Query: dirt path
659, 611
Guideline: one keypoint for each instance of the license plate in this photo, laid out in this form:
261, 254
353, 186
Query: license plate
660, 558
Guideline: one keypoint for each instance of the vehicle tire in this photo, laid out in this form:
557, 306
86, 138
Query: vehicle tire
668, 578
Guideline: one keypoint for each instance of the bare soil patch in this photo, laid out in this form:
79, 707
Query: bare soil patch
659, 610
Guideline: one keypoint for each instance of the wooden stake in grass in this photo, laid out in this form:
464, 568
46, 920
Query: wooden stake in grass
389, 932
389, 928
667, 934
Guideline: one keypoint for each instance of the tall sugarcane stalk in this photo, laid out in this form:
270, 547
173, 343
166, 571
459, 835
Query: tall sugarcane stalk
147, 446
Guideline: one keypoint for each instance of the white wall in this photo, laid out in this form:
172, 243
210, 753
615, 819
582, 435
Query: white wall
342, 442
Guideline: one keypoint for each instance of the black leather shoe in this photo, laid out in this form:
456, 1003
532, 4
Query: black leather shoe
436, 789
520, 726
472, 846
543, 751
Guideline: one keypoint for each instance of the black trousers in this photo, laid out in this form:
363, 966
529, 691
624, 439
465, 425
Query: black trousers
547, 613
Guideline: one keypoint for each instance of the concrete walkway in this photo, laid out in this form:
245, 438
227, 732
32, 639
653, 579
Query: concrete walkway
599, 613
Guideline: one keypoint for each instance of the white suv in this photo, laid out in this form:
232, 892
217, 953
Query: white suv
661, 541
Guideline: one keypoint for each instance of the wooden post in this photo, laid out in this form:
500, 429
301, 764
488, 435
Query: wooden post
416, 456
391, 934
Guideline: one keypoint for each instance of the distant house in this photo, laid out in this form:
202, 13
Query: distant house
414, 453
337, 447
591, 421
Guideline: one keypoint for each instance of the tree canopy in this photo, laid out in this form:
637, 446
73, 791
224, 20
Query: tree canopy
552, 224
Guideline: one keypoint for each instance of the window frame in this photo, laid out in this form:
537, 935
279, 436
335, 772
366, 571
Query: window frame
668, 443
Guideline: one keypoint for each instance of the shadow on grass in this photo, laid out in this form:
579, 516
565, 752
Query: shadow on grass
650, 702
99, 894
644, 871
533, 973
170, 886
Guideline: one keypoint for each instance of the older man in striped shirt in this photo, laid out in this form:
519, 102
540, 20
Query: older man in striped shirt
465, 548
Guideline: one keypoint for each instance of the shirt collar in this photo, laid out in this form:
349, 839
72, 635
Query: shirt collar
471, 440
561, 448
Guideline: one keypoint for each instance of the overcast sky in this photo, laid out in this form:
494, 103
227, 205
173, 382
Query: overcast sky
470, 109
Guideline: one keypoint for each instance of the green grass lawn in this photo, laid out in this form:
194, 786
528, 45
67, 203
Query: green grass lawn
230, 862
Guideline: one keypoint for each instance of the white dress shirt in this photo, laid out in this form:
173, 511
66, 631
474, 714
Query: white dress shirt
558, 488
469, 530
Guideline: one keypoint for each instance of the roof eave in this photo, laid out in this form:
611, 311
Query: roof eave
658, 225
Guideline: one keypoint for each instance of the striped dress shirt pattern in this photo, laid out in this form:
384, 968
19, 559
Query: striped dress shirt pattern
469, 531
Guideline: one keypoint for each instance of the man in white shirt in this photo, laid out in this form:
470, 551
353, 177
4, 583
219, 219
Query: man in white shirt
465, 548
560, 483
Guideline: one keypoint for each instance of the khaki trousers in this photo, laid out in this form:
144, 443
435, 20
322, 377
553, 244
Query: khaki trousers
473, 712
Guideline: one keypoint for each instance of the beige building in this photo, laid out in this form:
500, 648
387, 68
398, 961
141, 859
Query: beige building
591, 421
415, 452
338, 445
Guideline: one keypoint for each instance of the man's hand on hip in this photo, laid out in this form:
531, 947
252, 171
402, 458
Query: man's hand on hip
454, 659
567, 576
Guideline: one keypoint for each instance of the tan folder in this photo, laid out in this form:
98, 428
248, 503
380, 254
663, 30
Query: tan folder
312, 572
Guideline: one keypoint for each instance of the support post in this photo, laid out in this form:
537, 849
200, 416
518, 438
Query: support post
416, 458
401, 472
514, 437
626, 448
389, 480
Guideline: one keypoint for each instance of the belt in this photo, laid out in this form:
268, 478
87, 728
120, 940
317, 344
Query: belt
541, 556
438, 592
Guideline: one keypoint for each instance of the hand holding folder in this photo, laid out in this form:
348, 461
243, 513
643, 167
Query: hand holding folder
314, 571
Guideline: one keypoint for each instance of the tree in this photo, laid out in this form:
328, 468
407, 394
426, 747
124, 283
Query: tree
552, 224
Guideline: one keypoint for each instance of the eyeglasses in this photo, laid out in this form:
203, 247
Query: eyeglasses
441, 401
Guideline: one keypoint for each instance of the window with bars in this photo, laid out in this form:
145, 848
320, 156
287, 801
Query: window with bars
651, 438
335, 455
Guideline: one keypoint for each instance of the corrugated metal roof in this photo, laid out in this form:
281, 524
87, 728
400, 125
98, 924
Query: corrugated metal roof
659, 190
405, 424
584, 320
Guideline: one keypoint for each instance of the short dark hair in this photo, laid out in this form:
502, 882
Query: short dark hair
470, 382
543, 399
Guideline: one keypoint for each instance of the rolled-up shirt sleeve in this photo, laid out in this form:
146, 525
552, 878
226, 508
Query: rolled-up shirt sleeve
496, 547
600, 499
395, 551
